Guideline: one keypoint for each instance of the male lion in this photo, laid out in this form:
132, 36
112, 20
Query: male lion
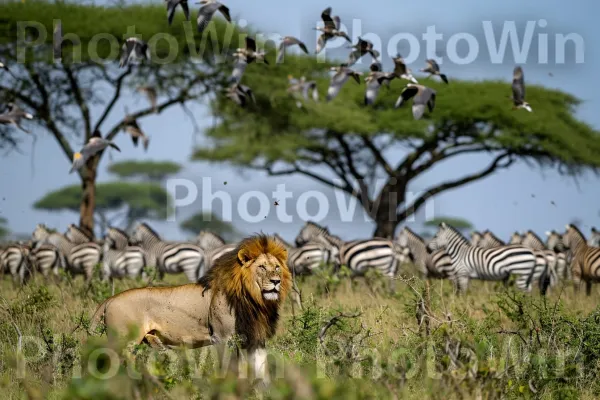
241, 294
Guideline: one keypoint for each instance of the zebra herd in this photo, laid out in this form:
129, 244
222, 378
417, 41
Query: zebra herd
448, 255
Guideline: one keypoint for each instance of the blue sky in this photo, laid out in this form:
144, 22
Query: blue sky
502, 203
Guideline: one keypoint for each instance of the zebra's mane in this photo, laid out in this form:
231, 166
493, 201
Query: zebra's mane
457, 233
286, 244
119, 231
214, 236
80, 231
534, 236
576, 229
414, 235
494, 237
151, 231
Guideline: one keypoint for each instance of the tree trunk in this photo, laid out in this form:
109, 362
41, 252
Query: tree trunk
385, 208
88, 200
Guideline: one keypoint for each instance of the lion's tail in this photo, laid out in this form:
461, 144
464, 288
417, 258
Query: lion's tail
98, 316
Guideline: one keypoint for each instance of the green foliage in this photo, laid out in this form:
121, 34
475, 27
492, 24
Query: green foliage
149, 170
209, 222
87, 21
458, 223
149, 197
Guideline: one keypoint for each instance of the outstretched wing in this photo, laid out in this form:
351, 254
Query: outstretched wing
250, 43
327, 20
408, 93
225, 11
205, 14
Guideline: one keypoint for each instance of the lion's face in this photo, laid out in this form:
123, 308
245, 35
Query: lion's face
267, 276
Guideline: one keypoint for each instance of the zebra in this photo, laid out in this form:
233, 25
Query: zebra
116, 238
119, 263
594, 239
545, 269
15, 260
304, 259
46, 259
486, 264
359, 255
78, 236
79, 258
208, 240
476, 237
169, 257
533, 241
437, 264
585, 259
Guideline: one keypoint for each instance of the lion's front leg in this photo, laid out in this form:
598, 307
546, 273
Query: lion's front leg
257, 358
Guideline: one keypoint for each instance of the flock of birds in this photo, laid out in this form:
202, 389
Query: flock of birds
136, 50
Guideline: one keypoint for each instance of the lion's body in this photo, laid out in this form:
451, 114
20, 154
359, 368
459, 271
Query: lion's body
240, 295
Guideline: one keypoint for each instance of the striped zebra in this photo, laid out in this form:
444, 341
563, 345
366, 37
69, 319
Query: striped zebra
544, 272
209, 240
476, 237
494, 264
119, 259
585, 259
304, 259
79, 258
15, 261
594, 239
47, 260
533, 241
437, 264
358, 255
171, 258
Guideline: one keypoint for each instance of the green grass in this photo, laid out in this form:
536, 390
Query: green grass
379, 353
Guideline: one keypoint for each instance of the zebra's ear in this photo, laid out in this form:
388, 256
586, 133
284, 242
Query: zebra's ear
568, 226
548, 233
443, 225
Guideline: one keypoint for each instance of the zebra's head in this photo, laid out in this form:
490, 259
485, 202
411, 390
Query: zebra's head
309, 231
515, 238
476, 237
594, 238
555, 241
442, 237
40, 233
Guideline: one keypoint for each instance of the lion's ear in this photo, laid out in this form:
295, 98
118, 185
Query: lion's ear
243, 256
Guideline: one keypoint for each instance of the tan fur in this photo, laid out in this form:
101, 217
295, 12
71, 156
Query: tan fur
235, 297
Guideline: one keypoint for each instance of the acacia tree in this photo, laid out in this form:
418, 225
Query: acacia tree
349, 147
459, 223
79, 96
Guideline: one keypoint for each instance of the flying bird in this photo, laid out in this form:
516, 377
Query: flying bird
341, 76
434, 69
330, 30
14, 115
286, 42
208, 10
240, 94
250, 53
374, 81
422, 96
172, 7
304, 87
401, 71
360, 49
239, 67
134, 49
92, 147
133, 128
150, 93
518, 89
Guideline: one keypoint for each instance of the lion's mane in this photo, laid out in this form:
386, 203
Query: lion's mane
255, 319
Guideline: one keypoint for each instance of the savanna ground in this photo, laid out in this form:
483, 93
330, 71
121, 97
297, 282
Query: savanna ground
492, 343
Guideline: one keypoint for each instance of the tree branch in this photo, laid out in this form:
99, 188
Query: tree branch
299, 170
85, 111
378, 156
496, 164
118, 83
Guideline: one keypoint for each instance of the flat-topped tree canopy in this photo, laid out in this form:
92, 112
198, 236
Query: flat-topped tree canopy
345, 139
101, 30
84, 92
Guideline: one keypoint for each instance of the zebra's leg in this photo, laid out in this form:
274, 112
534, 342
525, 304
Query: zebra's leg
588, 287
576, 276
